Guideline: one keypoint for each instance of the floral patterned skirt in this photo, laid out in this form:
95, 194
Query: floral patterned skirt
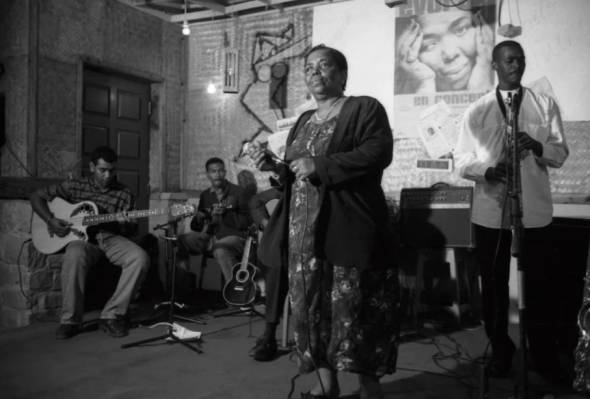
344, 317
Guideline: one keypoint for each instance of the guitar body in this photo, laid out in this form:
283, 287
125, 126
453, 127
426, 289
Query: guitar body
241, 289
83, 215
49, 243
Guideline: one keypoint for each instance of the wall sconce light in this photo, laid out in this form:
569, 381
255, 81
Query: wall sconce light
211, 88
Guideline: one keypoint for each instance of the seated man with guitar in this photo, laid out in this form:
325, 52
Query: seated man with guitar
220, 223
82, 251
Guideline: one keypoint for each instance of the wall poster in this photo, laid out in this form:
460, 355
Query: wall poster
443, 53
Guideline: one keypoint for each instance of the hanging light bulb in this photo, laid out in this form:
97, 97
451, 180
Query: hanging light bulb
185, 29
211, 88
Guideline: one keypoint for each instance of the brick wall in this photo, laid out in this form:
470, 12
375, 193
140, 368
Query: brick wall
107, 32
14, 231
218, 123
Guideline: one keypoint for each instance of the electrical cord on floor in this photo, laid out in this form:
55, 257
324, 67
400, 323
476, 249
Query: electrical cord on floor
459, 353
20, 282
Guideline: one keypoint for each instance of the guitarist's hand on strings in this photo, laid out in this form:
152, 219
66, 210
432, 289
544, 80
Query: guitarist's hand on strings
59, 227
218, 210
123, 218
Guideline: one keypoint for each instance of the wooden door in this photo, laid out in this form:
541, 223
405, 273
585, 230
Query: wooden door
115, 113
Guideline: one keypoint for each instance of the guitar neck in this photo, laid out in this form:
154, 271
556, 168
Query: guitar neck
246, 255
112, 217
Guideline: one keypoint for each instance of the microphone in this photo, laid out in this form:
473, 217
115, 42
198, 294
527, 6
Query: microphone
515, 104
277, 159
249, 147
509, 109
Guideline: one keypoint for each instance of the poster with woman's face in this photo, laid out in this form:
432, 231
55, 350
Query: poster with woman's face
441, 53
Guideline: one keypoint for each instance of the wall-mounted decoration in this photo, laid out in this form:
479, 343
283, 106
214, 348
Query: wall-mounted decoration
230, 70
279, 70
278, 86
263, 73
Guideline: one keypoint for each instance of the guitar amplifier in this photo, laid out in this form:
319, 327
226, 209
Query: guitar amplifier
437, 217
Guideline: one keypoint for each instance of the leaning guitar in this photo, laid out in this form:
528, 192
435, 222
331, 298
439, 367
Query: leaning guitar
241, 289
84, 214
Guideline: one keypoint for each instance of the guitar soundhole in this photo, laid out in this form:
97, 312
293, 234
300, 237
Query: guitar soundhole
242, 276
87, 209
79, 234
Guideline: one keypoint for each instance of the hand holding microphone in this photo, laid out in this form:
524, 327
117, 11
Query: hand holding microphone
264, 159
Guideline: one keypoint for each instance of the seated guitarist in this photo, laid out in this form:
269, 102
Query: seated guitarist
219, 225
109, 196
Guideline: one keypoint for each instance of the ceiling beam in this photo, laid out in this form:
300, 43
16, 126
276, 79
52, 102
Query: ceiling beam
146, 10
269, 3
210, 4
228, 10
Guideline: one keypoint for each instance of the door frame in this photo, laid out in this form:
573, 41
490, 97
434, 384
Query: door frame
157, 85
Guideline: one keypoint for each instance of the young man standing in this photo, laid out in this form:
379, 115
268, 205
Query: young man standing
481, 156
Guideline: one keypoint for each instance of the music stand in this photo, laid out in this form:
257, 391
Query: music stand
170, 333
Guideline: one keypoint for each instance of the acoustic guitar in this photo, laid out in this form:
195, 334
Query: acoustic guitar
241, 289
85, 214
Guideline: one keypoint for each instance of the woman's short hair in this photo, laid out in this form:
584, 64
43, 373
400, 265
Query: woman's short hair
337, 56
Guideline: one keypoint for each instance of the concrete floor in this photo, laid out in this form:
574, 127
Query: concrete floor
33, 364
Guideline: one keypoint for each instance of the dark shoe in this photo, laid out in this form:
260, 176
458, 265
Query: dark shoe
265, 349
113, 328
125, 321
66, 331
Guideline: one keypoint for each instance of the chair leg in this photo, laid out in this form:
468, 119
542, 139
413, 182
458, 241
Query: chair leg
202, 272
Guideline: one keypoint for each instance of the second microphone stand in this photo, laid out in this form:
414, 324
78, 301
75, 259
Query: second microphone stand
516, 213
170, 226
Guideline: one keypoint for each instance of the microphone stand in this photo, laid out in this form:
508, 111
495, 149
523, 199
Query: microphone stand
517, 227
173, 225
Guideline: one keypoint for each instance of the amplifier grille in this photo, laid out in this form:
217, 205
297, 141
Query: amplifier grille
437, 217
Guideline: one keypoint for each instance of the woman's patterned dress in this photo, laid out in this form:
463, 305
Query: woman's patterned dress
346, 318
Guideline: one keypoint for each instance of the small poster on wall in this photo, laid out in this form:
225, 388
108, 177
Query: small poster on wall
443, 53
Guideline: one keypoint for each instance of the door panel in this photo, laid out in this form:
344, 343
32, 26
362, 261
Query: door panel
130, 178
128, 144
96, 99
115, 113
92, 137
129, 105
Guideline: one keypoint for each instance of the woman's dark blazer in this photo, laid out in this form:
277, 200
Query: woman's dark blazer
353, 227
